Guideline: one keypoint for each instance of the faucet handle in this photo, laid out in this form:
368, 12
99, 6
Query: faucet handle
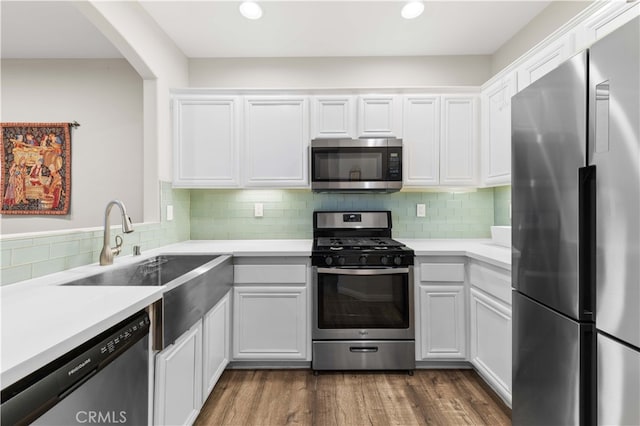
118, 248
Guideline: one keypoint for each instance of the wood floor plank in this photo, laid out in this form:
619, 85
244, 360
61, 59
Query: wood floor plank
297, 397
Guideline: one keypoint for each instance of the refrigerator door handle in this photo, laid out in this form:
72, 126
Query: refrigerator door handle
601, 143
587, 240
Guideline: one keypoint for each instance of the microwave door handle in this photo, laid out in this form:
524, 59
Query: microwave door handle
344, 271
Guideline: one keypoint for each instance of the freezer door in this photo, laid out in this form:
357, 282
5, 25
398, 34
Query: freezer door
548, 122
553, 366
618, 383
614, 108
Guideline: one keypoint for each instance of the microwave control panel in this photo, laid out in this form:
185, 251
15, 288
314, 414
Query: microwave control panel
394, 162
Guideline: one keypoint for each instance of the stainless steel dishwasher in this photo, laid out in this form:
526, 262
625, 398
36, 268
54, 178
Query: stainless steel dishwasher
103, 381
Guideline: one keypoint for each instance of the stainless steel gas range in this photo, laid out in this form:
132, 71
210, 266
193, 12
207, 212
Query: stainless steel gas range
363, 314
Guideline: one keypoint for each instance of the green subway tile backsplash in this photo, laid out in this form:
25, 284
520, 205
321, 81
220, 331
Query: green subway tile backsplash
228, 214
502, 205
30, 257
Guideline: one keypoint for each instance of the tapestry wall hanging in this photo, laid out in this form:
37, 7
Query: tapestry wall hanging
36, 168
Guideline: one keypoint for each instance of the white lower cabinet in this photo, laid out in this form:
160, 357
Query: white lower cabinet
271, 319
187, 370
490, 326
270, 323
178, 384
216, 330
491, 341
440, 309
442, 322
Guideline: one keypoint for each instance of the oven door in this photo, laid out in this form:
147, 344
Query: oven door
356, 165
358, 303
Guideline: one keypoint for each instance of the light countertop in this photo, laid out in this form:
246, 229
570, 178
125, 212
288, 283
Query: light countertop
41, 323
479, 249
244, 248
42, 320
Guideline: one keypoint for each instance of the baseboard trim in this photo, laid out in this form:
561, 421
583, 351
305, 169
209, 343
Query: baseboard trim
275, 365
443, 365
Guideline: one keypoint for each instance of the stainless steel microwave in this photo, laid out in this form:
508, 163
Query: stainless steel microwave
356, 165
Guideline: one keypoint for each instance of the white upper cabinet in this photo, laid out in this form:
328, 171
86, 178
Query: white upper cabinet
496, 131
459, 143
610, 17
545, 60
276, 133
421, 140
206, 141
333, 116
379, 116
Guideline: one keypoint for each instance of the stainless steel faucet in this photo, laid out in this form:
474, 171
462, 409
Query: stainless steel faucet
107, 253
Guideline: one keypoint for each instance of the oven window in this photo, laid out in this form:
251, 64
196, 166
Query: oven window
358, 165
369, 301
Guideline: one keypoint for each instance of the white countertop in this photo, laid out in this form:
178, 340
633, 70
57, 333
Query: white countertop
246, 248
41, 323
42, 320
479, 249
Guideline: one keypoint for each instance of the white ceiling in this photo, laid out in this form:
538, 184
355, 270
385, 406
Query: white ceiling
206, 29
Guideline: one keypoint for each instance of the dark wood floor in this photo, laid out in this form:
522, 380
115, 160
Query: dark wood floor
297, 397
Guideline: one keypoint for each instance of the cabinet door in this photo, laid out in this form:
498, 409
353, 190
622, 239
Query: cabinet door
421, 140
379, 116
545, 60
216, 328
496, 131
206, 141
610, 17
178, 394
442, 322
458, 147
333, 117
276, 141
270, 323
491, 341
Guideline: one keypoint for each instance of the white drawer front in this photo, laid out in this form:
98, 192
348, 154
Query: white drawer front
442, 272
276, 274
495, 283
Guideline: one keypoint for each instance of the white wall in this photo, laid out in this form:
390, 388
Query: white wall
161, 65
105, 97
546, 22
340, 72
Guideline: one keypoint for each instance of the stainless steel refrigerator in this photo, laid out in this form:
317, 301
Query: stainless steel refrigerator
576, 239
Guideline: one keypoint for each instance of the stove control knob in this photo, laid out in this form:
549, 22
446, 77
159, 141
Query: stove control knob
341, 261
328, 260
363, 260
384, 260
397, 260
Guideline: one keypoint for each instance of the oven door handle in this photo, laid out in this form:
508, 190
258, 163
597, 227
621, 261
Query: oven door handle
345, 271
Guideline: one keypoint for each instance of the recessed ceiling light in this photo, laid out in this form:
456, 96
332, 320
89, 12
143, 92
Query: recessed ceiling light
251, 10
412, 9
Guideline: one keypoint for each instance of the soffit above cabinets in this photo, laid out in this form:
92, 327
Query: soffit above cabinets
212, 29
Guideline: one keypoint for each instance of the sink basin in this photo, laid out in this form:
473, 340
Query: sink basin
155, 271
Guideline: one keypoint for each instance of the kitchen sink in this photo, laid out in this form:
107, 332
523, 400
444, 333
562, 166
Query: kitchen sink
195, 283
155, 271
